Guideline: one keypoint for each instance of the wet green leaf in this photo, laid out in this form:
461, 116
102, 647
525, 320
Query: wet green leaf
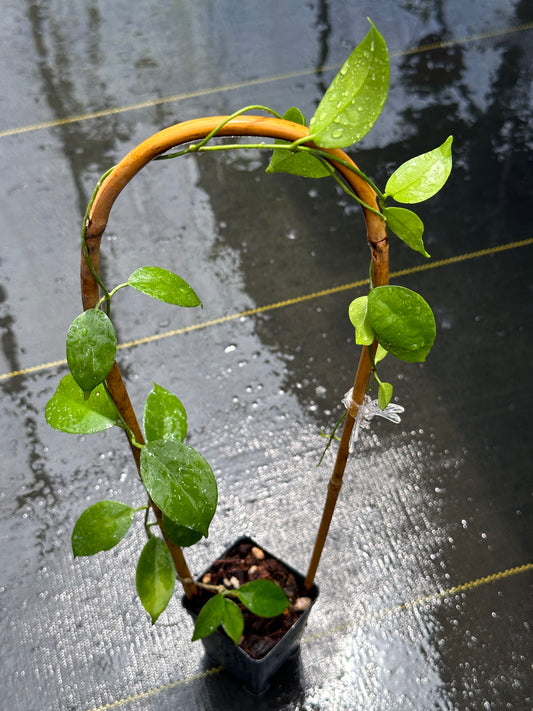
180, 482
421, 177
355, 98
68, 410
163, 285
380, 353
407, 226
156, 577
263, 597
233, 621
100, 527
357, 312
209, 618
298, 163
91, 348
164, 416
402, 321
180, 535
384, 394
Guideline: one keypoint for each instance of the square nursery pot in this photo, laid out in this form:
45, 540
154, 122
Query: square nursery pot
277, 645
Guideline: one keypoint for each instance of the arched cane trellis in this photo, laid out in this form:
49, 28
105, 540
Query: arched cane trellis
98, 215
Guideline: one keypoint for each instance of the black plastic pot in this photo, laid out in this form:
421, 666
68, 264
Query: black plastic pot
255, 674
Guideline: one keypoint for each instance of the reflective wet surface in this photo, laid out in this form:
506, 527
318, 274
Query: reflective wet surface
426, 582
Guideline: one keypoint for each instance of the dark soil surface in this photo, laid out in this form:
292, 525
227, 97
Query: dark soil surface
243, 563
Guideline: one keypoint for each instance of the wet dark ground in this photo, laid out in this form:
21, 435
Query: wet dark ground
426, 584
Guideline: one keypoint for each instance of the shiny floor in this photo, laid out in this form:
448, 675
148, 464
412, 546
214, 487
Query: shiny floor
426, 581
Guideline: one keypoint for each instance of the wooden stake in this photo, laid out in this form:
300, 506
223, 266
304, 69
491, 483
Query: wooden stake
187, 132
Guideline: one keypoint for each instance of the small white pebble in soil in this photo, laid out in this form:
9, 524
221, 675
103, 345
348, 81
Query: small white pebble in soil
301, 604
234, 582
207, 578
258, 553
252, 569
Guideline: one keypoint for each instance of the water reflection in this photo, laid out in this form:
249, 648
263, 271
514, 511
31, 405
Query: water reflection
429, 72
82, 143
35, 507
70, 92
289, 246
8, 337
492, 128
323, 29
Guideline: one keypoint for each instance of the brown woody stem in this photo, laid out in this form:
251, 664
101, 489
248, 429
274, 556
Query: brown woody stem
380, 271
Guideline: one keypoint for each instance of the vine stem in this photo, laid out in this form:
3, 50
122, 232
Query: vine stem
206, 586
241, 125
291, 148
91, 260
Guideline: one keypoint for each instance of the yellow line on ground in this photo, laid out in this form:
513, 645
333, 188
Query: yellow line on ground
462, 257
151, 102
432, 598
380, 614
281, 304
464, 40
33, 369
157, 690
251, 82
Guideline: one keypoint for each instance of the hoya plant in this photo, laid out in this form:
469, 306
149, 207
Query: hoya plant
180, 486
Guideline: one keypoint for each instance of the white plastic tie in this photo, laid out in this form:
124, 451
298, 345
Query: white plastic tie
367, 411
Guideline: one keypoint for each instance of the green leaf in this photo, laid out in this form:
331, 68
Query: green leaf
357, 312
298, 163
407, 226
91, 348
164, 416
421, 177
380, 353
180, 482
384, 394
163, 285
263, 597
232, 621
353, 102
210, 617
100, 527
402, 321
180, 535
156, 577
69, 411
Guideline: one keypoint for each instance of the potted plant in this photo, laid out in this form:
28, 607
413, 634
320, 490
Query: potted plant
180, 485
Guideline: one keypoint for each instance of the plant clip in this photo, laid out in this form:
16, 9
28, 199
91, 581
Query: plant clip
366, 412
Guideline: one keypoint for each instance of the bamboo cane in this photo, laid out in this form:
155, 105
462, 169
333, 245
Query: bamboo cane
116, 181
